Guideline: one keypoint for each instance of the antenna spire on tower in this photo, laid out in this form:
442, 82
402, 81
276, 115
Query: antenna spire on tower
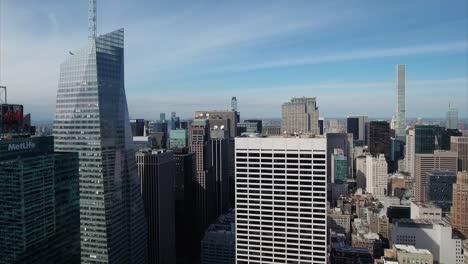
92, 19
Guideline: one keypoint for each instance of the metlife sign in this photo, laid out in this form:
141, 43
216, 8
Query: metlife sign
21, 146
26, 147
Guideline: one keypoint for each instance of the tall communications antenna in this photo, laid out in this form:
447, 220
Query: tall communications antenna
92, 19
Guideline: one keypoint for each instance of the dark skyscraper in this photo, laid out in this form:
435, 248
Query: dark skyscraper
356, 125
92, 119
320, 124
440, 188
187, 243
443, 135
379, 138
156, 169
220, 148
39, 203
424, 142
200, 144
138, 127
353, 127
228, 121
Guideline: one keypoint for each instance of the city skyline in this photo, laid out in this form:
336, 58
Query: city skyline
180, 59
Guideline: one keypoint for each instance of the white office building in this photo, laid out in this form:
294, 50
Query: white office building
376, 176
281, 200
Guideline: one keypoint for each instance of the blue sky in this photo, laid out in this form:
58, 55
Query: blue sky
190, 55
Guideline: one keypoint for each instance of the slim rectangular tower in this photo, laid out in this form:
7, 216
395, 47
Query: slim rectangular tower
281, 200
379, 138
156, 169
200, 144
401, 108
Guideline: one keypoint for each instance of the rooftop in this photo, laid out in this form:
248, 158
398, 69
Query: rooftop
426, 205
412, 249
442, 222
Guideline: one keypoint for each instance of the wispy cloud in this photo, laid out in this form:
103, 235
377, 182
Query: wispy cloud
335, 98
171, 48
192, 36
431, 49
54, 22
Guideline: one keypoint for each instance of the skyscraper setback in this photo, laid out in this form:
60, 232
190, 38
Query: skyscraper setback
400, 124
301, 115
92, 119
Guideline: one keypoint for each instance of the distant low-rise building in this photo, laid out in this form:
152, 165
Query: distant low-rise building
339, 222
402, 254
370, 241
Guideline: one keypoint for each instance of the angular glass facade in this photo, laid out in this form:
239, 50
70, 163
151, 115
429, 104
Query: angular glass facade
92, 119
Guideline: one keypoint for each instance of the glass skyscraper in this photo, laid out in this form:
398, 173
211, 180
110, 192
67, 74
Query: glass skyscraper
424, 139
339, 167
92, 119
39, 203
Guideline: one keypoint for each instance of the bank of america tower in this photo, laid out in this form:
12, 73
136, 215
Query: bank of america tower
92, 119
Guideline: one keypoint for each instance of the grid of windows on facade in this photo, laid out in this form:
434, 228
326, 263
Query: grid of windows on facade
280, 203
406, 240
92, 119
